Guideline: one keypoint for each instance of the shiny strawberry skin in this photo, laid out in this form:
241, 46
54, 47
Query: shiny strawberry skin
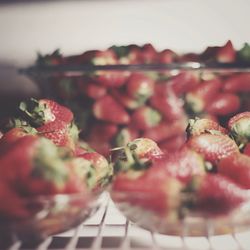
94, 90
108, 109
58, 133
213, 147
203, 126
239, 83
224, 104
237, 168
226, 53
218, 195
182, 165
61, 112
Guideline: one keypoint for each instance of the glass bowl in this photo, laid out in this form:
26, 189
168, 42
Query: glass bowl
37, 218
192, 224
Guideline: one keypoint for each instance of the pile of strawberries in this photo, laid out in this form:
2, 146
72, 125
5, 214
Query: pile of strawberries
40, 155
209, 175
114, 107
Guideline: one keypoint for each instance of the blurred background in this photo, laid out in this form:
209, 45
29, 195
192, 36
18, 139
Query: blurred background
28, 27
74, 26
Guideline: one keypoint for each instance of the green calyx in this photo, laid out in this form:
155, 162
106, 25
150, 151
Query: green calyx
74, 132
128, 160
153, 117
120, 51
49, 165
244, 53
241, 131
37, 113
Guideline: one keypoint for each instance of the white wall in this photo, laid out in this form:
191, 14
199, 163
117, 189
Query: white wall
75, 26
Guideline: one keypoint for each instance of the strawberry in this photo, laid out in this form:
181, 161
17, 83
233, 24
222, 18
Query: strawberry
200, 97
102, 168
55, 58
157, 193
136, 155
214, 195
237, 83
246, 150
139, 86
127, 101
13, 135
108, 109
190, 57
239, 126
145, 117
237, 168
43, 111
184, 82
166, 56
213, 147
172, 144
60, 133
167, 103
166, 130
148, 53
94, 90
200, 126
224, 104
102, 147
182, 164
226, 53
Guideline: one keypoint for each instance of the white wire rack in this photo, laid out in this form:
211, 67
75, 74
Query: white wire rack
109, 229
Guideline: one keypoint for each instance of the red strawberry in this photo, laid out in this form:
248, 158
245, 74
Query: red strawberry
184, 82
148, 53
145, 148
246, 150
182, 164
13, 135
166, 130
237, 168
173, 144
94, 91
43, 111
226, 54
60, 133
102, 147
239, 126
237, 83
213, 147
107, 109
167, 103
127, 101
224, 104
166, 56
139, 86
216, 195
145, 117
200, 97
190, 57
126, 135
158, 193
100, 164
202, 126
